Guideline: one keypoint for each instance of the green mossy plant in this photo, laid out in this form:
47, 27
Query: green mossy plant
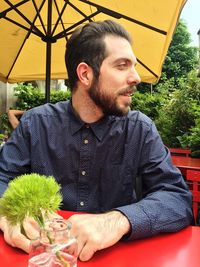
30, 195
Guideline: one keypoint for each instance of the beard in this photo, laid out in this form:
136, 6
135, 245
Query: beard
108, 103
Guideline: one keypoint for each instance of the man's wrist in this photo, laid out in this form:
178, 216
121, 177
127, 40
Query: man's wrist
122, 222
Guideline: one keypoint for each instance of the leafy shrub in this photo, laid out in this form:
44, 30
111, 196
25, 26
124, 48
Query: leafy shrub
178, 121
192, 139
176, 112
147, 103
28, 97
3, 138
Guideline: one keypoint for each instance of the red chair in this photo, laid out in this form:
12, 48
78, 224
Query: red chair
180, 152
193, 181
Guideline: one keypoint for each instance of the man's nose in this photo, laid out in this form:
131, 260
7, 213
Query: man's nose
134, 77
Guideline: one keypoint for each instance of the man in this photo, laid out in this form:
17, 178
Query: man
95, 147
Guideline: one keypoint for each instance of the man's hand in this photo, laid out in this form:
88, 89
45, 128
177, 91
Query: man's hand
13, 234
98, 231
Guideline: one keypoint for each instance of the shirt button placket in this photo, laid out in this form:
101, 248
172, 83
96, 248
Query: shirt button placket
83, 173
82, 203
84, 169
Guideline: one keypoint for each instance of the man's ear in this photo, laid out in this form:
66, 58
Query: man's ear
85, 73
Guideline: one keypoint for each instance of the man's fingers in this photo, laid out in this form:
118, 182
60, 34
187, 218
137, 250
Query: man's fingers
81, 243
13, 237
20, 241
16, 236
87, 252
31, 228
87, 246
54, 215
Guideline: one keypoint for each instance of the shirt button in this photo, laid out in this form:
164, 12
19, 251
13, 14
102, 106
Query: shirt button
85, 141
82, 203
87, 126
83, 172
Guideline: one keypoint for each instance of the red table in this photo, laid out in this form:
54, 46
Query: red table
186, 163
166, 250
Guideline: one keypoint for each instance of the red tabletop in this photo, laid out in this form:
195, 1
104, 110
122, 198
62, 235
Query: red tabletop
166, 250
186, 162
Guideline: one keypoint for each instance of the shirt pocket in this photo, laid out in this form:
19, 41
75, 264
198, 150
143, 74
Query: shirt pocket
116, 186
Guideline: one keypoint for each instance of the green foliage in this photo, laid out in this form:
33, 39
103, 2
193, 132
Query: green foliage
178, 121
5, 125
147, 103
31, 195
191, 139
180, 60
29, 97
57, 96
144, 87
175, 110
3, 138
181, 57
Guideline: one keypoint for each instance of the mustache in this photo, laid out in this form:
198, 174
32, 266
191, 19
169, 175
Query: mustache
128, 90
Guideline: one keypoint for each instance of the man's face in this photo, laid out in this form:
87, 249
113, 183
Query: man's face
112, 90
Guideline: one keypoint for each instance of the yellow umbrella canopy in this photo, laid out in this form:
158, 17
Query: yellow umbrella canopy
33, 34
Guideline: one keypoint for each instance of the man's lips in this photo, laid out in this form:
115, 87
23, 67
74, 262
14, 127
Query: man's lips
127, 92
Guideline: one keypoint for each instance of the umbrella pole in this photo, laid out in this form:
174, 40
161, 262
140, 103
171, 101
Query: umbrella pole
48, 72
48, 53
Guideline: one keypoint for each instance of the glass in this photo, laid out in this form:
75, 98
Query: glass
54, 247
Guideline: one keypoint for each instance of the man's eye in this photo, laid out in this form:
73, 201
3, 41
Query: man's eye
122, 66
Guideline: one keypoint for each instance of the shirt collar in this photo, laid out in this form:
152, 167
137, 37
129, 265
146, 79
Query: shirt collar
99, 128
75, 123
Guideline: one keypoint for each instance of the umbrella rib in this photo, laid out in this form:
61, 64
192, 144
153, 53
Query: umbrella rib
25, 18
145, 66
22, 26
61, 34
119, 15
78, 10
38, 14
59, 16
16, 57
3, 13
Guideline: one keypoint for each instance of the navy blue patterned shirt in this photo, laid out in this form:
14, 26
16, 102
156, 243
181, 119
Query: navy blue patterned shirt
97, 166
